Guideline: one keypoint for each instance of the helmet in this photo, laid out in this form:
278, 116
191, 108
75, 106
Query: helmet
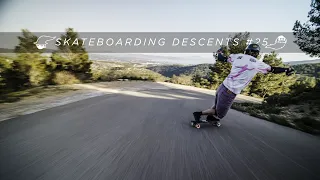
253, 50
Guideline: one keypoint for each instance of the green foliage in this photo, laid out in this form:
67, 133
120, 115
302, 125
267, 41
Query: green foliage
303, 83
130, 73
307, 34
38, 72
308, 124
5, 65
182, 79
269, 84
16, 77
220, 71
26, 44
72, 57
199, 81
241, 38
28, 68
312, 70
65, 77
202, 70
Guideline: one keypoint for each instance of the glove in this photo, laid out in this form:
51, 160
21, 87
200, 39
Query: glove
289, 71
277, 70
221, 56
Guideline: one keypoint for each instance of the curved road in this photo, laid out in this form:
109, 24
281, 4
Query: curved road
146, 135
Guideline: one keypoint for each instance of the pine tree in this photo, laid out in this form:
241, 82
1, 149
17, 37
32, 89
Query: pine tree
30, 61
264, 85
16, 76
308, 34
26, 44
72, 57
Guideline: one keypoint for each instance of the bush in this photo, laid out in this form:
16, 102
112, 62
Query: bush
65, 77
308, 124
279, 120
16, 77
131, 74
182, 79
38, 74
272, 110
280, 99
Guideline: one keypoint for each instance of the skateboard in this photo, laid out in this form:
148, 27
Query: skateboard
210, 119
197, 124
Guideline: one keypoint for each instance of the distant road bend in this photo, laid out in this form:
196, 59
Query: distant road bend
145, 135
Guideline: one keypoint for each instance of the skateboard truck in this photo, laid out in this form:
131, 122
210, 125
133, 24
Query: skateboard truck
210, 119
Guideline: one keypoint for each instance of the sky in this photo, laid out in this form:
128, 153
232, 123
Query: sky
153, 15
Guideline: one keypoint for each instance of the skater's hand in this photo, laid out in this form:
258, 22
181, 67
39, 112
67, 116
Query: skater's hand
290, 71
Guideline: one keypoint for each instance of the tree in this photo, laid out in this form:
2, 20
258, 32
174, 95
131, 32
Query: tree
30, 62
5, 65
308, 34
72, 57
268, 84
16, 76
26, 44
182, 79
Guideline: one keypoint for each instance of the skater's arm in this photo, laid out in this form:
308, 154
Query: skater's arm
278, 70
265, 68
221, 56
228, 59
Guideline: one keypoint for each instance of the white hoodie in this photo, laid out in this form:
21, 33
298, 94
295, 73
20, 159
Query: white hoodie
244, 68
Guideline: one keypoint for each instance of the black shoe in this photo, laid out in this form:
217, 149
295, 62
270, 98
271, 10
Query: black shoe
197, 116
211, 118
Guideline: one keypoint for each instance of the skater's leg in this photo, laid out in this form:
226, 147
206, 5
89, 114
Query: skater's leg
209, 112
224, 101
212, 111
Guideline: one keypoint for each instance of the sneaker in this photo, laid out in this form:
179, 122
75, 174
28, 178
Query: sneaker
197, 116
211, 118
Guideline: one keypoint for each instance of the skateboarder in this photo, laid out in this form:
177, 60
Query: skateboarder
244, 68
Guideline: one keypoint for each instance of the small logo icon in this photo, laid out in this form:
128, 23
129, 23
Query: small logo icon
279, 43
42, 41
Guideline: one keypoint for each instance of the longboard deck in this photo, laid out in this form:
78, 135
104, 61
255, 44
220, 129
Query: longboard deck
197, 124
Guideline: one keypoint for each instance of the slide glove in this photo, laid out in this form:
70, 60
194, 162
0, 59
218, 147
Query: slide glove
289, 71
277, 70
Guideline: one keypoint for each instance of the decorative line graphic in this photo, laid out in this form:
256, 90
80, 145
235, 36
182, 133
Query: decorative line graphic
42, 41
279, 43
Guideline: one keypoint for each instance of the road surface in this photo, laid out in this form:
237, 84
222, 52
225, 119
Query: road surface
146, 135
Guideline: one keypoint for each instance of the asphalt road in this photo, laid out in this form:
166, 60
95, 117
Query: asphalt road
147, 136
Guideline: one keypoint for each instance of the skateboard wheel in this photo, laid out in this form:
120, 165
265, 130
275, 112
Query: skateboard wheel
218, 124
197, 126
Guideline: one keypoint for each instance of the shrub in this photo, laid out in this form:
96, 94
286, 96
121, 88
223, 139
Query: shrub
280, 99
279, 119
38, 74
65, 77
182, 79
308, 124
272, 110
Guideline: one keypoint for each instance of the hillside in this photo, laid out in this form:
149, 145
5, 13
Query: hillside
312, 70
292, 63
110, 71
308, 68
170, 70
